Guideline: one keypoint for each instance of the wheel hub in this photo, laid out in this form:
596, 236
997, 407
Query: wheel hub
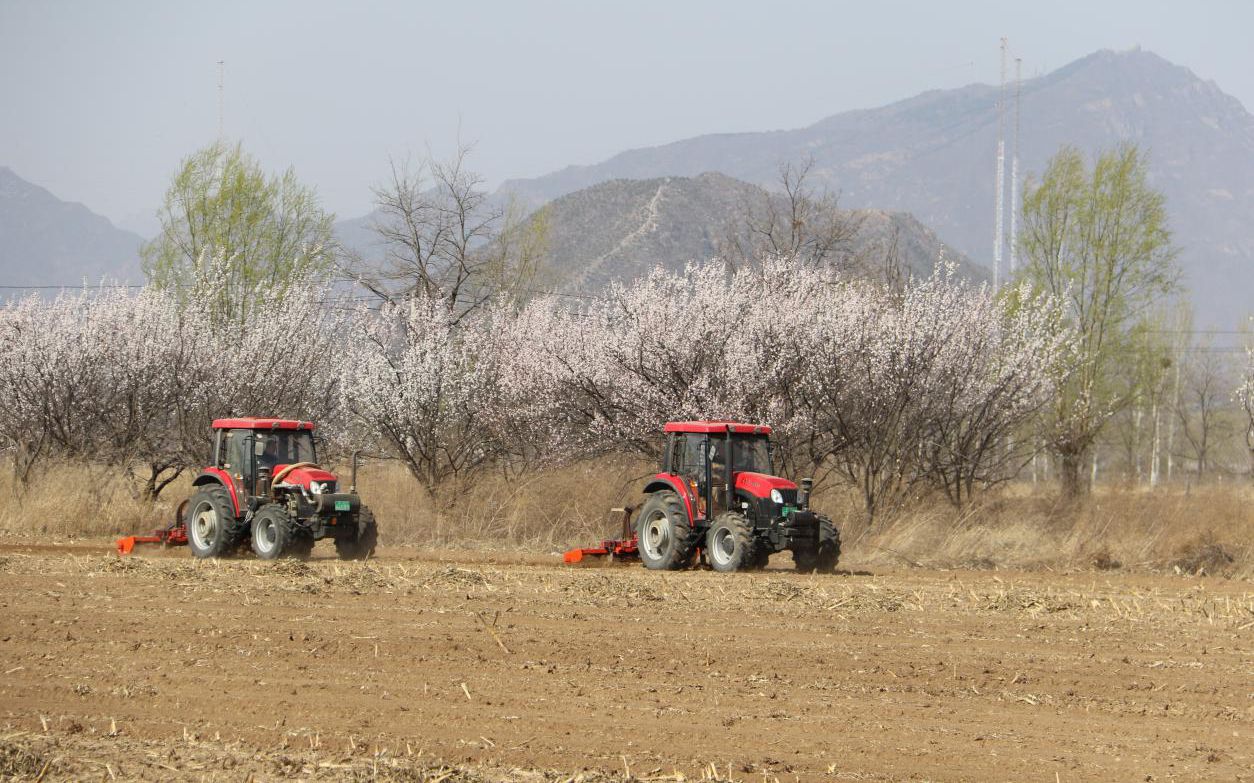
204, 526
266, 536
724, 546
657, 535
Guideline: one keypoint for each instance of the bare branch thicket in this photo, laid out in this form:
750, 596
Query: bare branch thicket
1200, 410
446, 240
797, 222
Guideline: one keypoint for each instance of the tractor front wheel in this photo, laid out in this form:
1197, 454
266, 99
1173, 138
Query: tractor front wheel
272, 532
729, 544
821, 558
663, 535
363, 546
211, 527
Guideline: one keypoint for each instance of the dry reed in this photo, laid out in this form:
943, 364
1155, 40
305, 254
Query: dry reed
1204, 530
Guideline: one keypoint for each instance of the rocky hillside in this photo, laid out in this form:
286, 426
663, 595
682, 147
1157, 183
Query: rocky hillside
620, 229
933, 156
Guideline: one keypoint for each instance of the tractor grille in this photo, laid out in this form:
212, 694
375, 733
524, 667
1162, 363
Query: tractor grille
790, 497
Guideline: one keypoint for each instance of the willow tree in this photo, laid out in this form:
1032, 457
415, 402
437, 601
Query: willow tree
1097, 240
224, 215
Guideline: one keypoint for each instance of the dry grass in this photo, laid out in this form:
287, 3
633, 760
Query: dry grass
1202, 531
1205, 530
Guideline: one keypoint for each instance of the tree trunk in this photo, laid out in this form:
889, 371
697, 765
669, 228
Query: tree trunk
1074, 483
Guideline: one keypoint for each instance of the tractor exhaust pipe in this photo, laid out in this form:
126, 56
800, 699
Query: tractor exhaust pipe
353, 482
803, 497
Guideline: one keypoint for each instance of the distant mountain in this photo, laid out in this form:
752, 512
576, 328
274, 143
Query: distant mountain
47, 241
618, 230
933, 156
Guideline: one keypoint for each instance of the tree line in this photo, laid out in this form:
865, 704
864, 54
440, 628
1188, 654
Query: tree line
455, 363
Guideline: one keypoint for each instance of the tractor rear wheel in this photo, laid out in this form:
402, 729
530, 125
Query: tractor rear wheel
272, 532
363, 546
663, 534
212, 530
821, 558
729, 543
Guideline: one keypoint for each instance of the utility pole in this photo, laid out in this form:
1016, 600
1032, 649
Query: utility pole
1014, 174
1000, 190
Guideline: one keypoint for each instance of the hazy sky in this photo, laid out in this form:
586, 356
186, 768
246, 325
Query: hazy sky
100, 100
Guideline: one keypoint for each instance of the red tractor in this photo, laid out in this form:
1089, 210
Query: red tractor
265, 487
716, 494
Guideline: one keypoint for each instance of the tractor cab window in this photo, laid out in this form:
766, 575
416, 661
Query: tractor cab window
752, 454
235, 446
270, 447
687, 458
285, 447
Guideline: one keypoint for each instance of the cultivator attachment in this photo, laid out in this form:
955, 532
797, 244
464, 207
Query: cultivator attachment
614, 548
174, 535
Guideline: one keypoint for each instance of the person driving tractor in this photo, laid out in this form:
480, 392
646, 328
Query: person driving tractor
270, 457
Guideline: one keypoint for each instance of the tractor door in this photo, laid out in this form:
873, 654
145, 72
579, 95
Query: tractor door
686, 456
719, 466
239, 459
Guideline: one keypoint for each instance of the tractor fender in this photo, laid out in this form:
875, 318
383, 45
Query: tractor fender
672, 483
219, 476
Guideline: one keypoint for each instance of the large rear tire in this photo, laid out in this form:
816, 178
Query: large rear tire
272, 532
729, 543
362, 547
663, 533
822, 558
212, 529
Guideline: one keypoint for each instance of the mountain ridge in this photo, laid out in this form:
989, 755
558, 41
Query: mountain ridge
933, 155
47, 241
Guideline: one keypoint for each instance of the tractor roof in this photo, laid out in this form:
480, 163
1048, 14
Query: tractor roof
716, 426
261, 424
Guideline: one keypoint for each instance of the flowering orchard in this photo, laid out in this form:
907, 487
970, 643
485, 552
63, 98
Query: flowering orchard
934, 386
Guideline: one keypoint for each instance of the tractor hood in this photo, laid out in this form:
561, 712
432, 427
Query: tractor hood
305, 476
760, 485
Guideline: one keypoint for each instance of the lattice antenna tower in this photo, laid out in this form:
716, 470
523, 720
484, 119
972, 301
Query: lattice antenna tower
1014, 172
1000, 188
221, 100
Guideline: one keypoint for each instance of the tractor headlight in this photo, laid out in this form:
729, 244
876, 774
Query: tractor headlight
776, 497
317, 487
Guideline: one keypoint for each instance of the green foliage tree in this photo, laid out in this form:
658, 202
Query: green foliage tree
224, 215
1098, 240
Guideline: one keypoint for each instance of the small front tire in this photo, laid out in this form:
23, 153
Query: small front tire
729, 543
272, 532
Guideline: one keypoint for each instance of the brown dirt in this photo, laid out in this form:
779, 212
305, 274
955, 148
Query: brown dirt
411, 668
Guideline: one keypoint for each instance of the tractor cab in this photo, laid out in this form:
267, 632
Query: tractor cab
702, 455
252, 452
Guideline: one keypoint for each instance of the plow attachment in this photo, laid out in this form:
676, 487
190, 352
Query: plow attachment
614, 548
174, 535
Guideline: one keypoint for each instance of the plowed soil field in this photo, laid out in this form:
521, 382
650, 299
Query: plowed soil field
424, 667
